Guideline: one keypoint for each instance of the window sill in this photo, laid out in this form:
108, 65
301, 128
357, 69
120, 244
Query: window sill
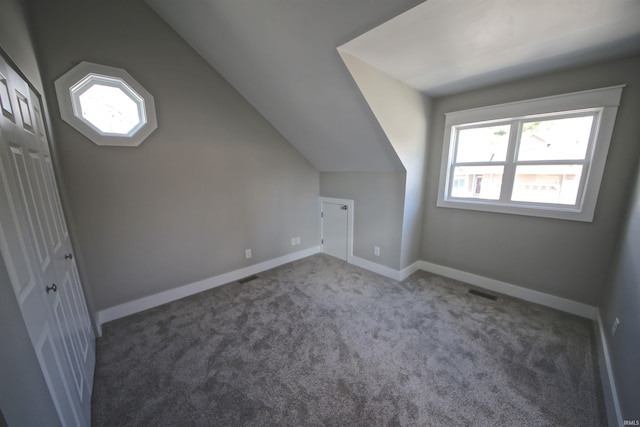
553, 211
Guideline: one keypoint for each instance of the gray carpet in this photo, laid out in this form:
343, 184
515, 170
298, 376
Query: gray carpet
319, 342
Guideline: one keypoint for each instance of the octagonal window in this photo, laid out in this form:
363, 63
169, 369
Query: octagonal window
110, 109
106, 105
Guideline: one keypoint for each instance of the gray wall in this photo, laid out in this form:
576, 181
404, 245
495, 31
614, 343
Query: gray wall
214, 179
302, 87
24, 396
403, 114
564, 258
378, 206
15, 39
622, 300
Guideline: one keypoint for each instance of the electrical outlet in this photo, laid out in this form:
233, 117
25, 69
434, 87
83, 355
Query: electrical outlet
297, 240
614, 328
247, 253
376, 250
293, 241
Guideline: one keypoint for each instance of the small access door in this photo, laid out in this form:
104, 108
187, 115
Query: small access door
336, 229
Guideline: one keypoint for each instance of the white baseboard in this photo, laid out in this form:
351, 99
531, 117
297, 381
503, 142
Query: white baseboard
382, 270
160, 298
408, 271
559, 303
614, 414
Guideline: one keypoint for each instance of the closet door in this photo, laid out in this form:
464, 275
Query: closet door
36, 249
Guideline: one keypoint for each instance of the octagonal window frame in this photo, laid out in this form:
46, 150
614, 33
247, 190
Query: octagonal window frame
75, 82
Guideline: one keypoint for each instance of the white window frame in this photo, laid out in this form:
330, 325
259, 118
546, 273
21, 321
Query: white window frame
602, 103
72, 84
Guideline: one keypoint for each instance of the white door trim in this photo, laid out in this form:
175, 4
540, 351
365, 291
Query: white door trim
350, 212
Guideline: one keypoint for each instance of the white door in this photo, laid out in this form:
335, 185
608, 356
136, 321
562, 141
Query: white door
335, 228
35, 246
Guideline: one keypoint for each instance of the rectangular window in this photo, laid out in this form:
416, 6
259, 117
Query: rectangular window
543, 157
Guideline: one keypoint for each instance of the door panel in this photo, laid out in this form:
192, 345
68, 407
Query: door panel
5, 98
62, 226
47, 352
27, 195
335, 229
14, 247
81, 315
25, 110
64, 323
45, 200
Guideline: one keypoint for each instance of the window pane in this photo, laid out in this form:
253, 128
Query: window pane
109, 109
557, 184
483, 144
480, 182
558, 139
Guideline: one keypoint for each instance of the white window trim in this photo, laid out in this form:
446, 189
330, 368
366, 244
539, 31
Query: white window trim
606, 100
69, 104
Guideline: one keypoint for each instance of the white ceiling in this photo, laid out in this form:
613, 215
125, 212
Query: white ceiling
445, 46
281, 56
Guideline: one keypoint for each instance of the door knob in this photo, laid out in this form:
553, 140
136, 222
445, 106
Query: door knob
68, 256
53, 288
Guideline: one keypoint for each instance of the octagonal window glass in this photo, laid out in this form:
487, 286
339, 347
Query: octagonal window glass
106, 105
111, 109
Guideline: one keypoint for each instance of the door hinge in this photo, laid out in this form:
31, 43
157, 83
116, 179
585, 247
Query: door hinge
322, 241
321, 214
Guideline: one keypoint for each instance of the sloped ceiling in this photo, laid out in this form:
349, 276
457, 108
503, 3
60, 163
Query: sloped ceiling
281, 56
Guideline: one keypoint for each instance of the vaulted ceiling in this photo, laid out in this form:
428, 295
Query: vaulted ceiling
281, 55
